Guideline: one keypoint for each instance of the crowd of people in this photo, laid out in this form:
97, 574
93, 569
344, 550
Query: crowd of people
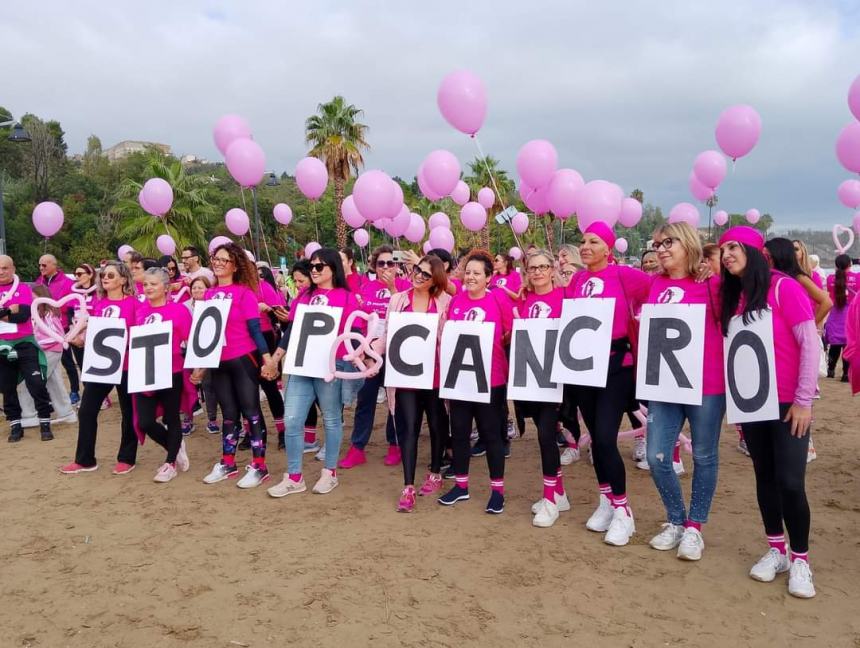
743, 275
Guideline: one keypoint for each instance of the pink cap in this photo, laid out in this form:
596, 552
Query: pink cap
749, 236
601, 229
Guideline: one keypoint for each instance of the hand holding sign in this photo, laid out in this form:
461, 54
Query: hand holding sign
357, 355
78, 325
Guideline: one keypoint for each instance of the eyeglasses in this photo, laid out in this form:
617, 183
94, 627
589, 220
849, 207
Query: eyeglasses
185, 258
418, 272
221, 260
318, 267
543, 267
567, 273
666, 244
386, 264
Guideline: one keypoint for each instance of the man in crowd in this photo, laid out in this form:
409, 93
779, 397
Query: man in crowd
191, 261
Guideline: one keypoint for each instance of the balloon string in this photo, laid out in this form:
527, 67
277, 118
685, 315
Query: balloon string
496, 187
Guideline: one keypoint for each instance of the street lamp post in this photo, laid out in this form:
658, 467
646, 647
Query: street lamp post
18, 134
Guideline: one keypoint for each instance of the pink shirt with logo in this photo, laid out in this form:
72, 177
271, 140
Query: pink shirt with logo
336, 298
171, 311
22, 296
627, 285
375, 295
852, 285
534, 306
243, 307
489, 308
271, 297
665, 290
124, 309
511, 281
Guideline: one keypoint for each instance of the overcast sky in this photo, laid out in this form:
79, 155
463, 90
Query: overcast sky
627, 91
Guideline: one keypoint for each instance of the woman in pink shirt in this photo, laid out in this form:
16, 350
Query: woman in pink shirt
842, 287
354, 279
778, 447
505, 276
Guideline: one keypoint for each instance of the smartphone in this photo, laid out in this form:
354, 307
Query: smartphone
397, 256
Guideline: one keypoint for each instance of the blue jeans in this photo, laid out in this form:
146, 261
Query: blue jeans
665, 421
365, 413
301, 392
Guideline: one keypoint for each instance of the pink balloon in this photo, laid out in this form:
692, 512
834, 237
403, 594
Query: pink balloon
245, 161
350, 213
373, 194
439, 219
396, 205
312, 177
157, 196
631, 212
441, 237
738, 130
561, 193
462, 100
426, 191
520, 223
473, 216
142, 202
441, 171
721, 218
250, 256
486, 197
848, 147
217, 242
381, 224
598, 200
124, 249
515, 253
282, 213
537, 161
427, 247
310, 248
535, 199
400, 223
621, 245
237, 221
855, 222
684, 213
752, 216
228, 129
710, 168
361, 237
415, 232
461, 193
849, 193
700, 192
47, 218
166, 244
854, 98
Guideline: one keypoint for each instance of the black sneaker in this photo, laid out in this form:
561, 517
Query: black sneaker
453, 496
45, 431
496, 503
448, 473
447, 462
560, 441
508, 450
16, 433
478, 450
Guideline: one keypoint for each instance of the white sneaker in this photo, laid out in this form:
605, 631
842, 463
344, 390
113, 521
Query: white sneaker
643, 465
621, 528
182, 461
561, 503
772, 563
800, 580
311, 447
165, 474
253, 477
569, 455
678, 467
512, 431
602, 516
320, 456
474, 436
692, 545
326, 483
811, 454
546, 514
380, 396
287, 487
742, 447
668, 538
639, 448
220, 472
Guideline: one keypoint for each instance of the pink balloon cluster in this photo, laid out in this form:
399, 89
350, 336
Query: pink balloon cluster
377, 196
48, 218
848, 142
441, 171
599, 200
243, 157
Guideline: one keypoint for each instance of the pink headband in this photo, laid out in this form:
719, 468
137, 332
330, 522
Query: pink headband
743, 234
602, 230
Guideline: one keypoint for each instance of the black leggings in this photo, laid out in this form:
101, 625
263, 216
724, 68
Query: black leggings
487, 418
169, 437
602, 410
779, 461
545, 416
833, 353
68, 362
236, 384
270, 387
410, 405
88, 423
568, 411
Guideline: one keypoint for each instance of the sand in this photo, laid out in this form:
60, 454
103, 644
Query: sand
98, 560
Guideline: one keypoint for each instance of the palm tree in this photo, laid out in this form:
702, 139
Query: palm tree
185, 222
338, 140
482, 172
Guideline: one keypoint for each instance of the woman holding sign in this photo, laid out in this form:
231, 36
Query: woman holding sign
236, 380
778, 441
603, 407
273, 311
158, 307
680, 254
115, 298
475, 303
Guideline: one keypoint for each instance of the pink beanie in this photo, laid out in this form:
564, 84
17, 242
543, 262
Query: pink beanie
601, 229
749, 236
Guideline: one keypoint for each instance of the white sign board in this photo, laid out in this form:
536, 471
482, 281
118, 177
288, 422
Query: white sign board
314, 332
411, 350
207, 337
533, 344
465, 360
104, 350
751, 393
150, 357
584, 338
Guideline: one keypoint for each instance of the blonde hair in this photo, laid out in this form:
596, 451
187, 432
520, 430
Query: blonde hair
527, 282
688, 239
803, 261
572, 253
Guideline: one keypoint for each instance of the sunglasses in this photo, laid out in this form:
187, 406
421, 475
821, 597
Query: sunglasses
386, 264
81, 274
109, 275
43, 265
318, 267
418, 272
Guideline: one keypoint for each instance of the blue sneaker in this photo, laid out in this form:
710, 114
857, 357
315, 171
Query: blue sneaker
212, 427
75, 398
187, 429
453, 496
496, 503
478, 450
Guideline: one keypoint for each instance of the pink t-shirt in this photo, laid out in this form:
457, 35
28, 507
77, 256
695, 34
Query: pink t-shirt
511, 281
627, 285
355, 282
665, 290
22, 296
124, 309
271, 297
852, 285
48, 343
171, 311
489, 308
534, 306
243, 307
89, 297
457, 283
336, 298
375, 295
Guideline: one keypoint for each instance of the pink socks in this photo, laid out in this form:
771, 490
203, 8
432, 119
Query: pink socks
777, 542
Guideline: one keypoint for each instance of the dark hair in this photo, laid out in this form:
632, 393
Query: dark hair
350, 256
710, 249
754, 284
646, 253
41, 290
190, 248
150, 263
89, 270
331, 258
444, 256
840, 285
202, 278
267, 276
302, 266
783, 257
165, 261
135, 257
484, 257
245, 272
438, 276
381, 249
509, 262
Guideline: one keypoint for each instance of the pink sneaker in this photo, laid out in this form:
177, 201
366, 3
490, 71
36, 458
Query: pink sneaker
122, 468
432, 483
354, 457
407, 500
75, 468
392, 458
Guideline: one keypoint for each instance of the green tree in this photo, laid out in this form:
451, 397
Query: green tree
338, 139
482, 173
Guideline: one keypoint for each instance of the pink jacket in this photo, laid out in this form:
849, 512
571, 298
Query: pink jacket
851, 352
